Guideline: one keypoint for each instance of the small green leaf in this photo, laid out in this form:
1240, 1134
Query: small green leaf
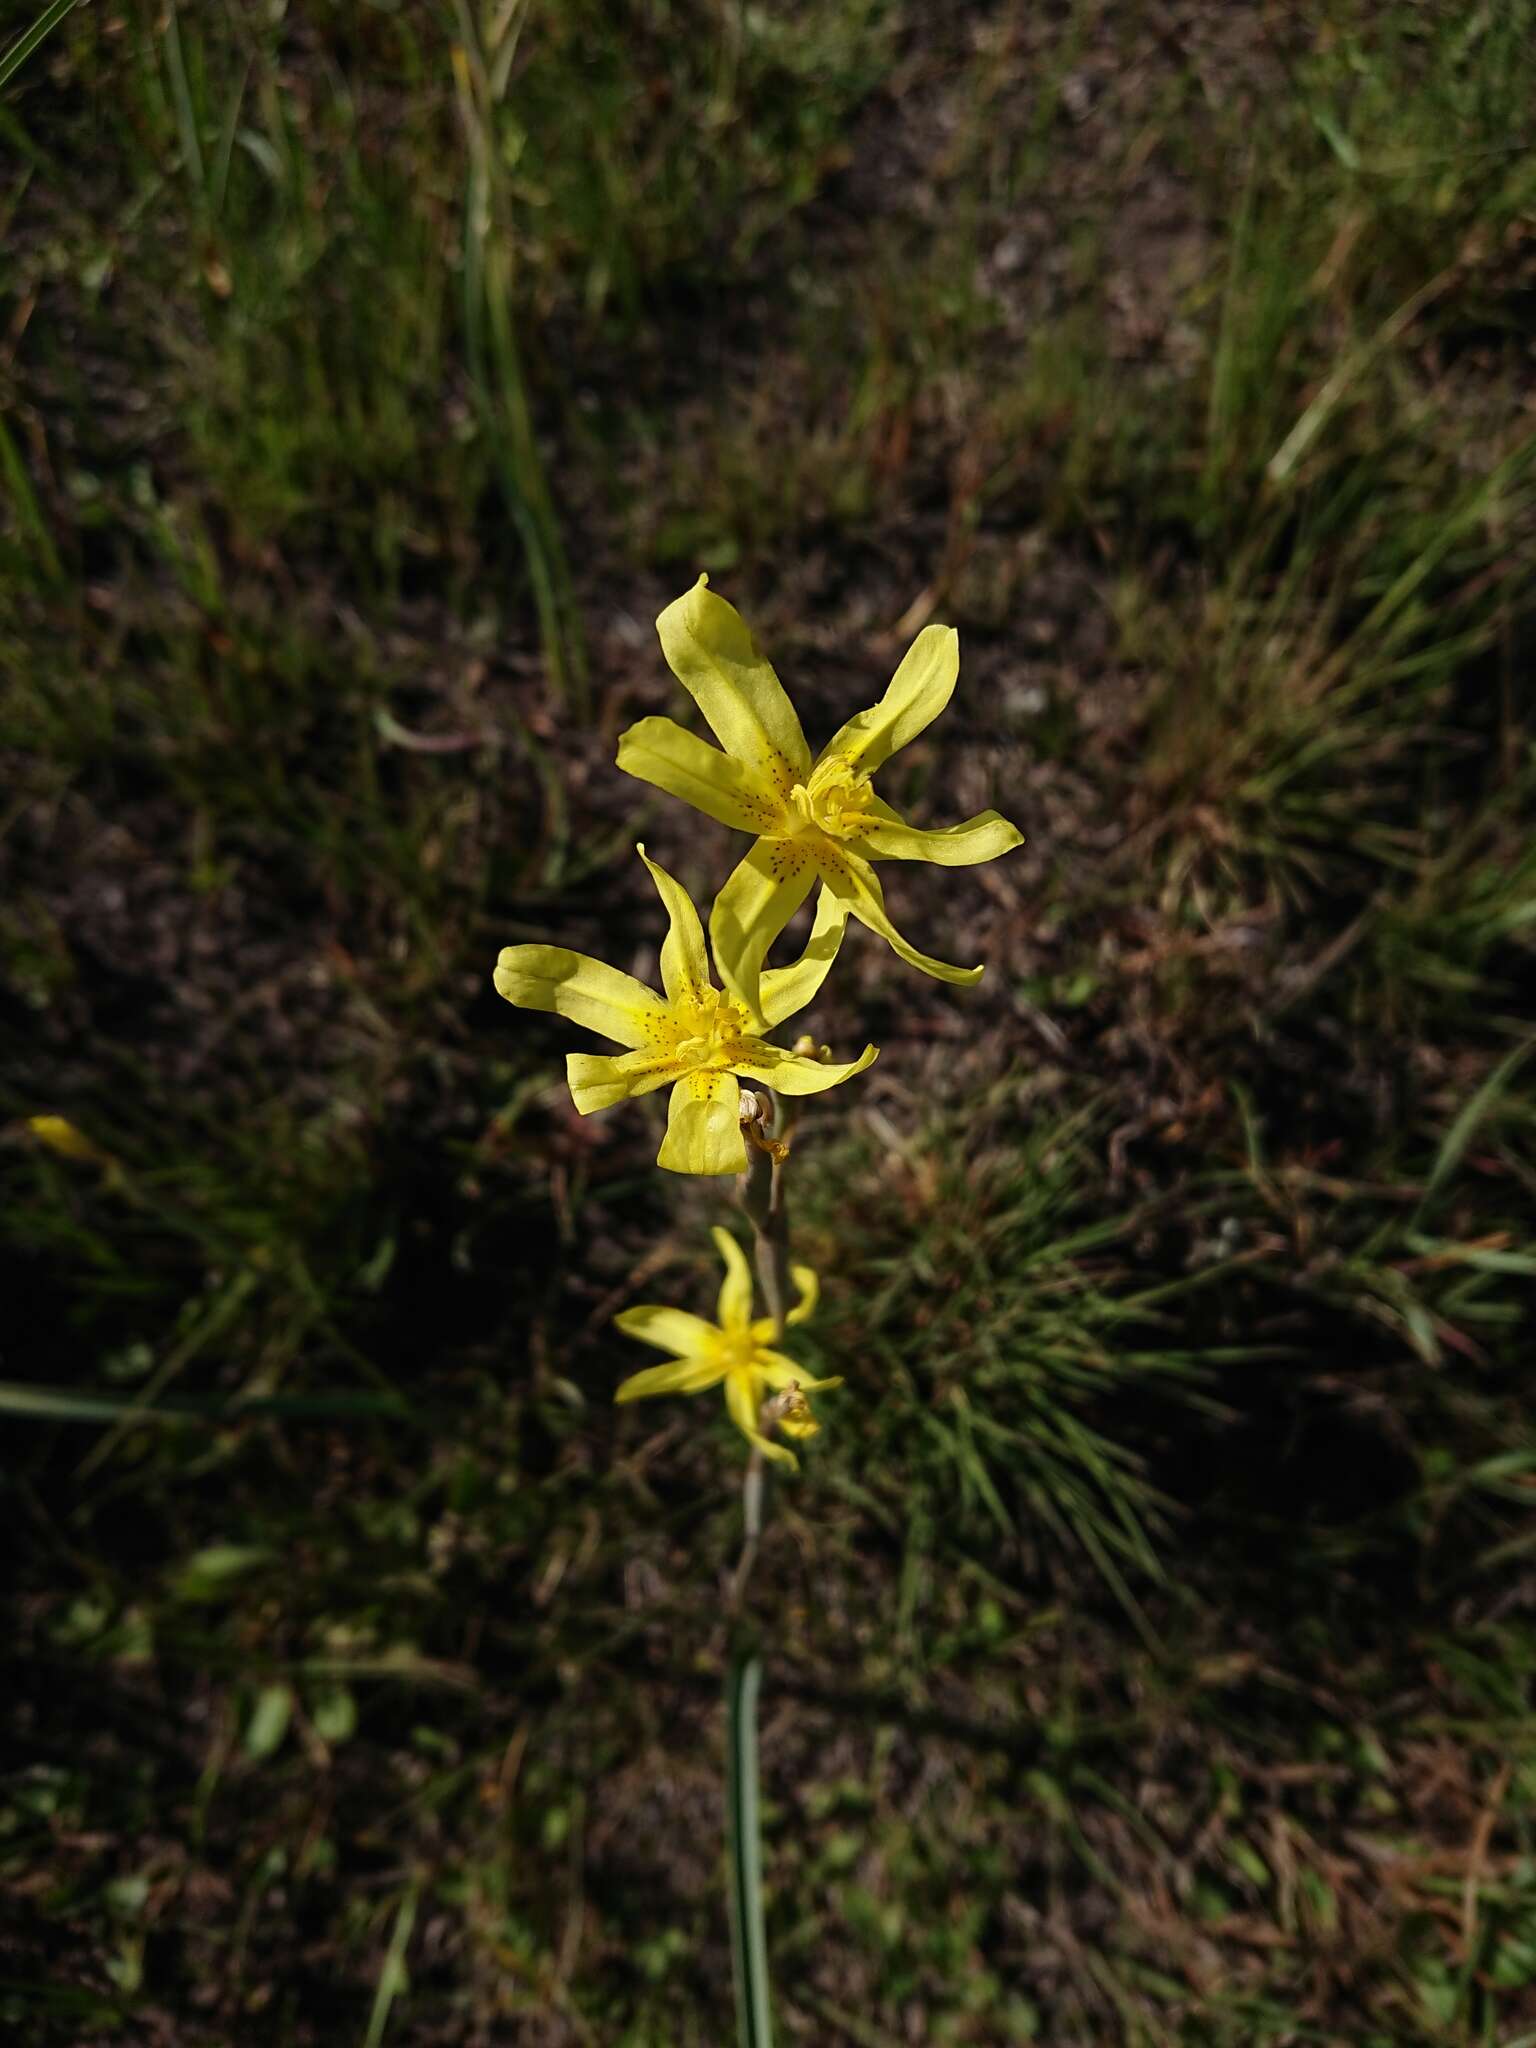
269, 1720
334, 1713
208, 1574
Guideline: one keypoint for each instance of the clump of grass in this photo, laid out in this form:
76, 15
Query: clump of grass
994, 1320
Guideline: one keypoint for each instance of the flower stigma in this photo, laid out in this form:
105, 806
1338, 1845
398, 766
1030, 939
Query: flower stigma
710, 1028
835, 801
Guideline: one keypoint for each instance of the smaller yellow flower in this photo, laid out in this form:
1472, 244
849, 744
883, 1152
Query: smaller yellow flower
70, 1142
694, 1039
738, 1349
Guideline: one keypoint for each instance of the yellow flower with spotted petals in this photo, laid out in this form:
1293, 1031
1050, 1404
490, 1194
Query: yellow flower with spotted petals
695, 1037
813, 821
737, 1350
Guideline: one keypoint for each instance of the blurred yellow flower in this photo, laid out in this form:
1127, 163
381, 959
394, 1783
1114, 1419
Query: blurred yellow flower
69, 1141
813, 820
737, 1349
700, 1040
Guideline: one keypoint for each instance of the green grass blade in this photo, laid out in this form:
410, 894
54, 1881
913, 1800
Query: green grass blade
53, 1405
29, 38
749, 1942
15, 483
181, 94
1464, 1128
219, 184
392, 1978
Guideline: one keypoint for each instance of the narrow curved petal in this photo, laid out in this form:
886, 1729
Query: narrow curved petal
921, 687
792, 1073
710, 651
681, 1376
854, 882
660, 751
600, 1079
597, 997
734, 1311
684, 962
761, 894
704, 1126
741, 1398
784, 990
956, 846
779, 1372
686, 1336
808, 1287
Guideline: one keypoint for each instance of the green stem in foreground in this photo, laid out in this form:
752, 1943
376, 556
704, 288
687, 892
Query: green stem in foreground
749, 1940
763, 1200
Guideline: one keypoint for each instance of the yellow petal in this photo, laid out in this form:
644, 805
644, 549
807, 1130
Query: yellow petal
659, 751
704, 1126
599, 1079
682, 1376
855, 883
914, 697
684, 963
791, 1073
956, 846
741, 1398
734, 1310
599, 998
775, 1370
761, 894
784, 990
710, 651
669, 1329
808, 1288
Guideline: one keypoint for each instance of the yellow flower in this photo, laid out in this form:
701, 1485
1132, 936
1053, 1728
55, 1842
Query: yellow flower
693, 1036
70, 1142
737, 1349
813, 820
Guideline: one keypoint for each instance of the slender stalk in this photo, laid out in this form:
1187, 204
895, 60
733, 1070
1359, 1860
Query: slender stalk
766, 1210
749, 1941
763, 1200
29, 38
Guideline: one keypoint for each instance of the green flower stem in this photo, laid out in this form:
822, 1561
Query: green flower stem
763, 1200
749, 1941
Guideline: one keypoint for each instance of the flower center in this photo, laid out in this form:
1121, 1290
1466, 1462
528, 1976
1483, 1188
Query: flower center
709, 1027
737, 1351
836, 800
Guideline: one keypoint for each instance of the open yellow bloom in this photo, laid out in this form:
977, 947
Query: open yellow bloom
694, 1036
737, 1349
813, 820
